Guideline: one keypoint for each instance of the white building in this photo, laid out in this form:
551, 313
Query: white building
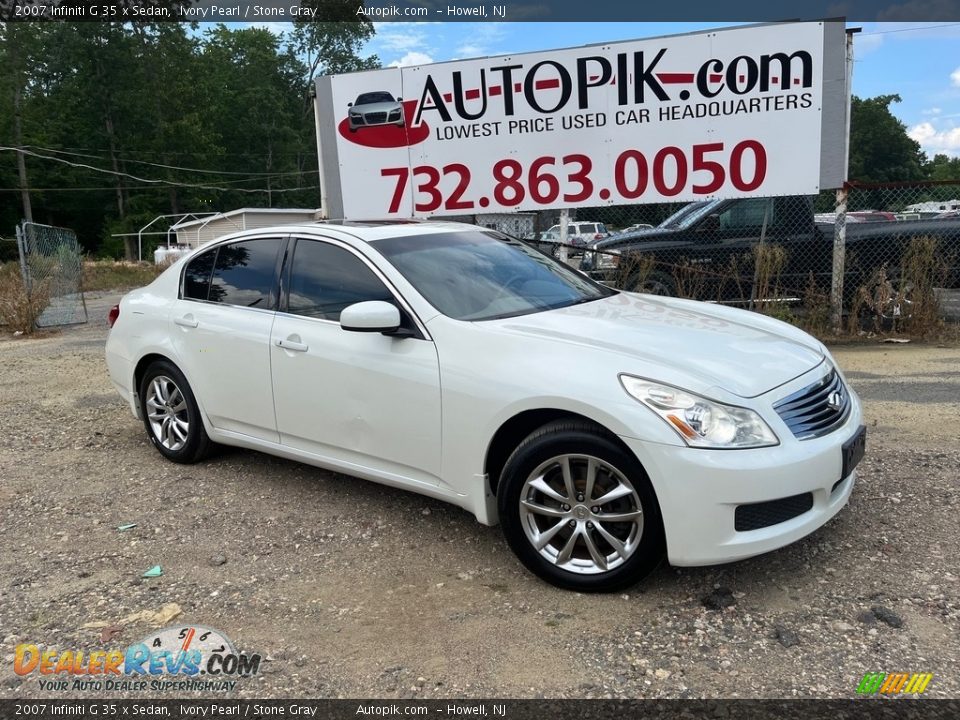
193, 233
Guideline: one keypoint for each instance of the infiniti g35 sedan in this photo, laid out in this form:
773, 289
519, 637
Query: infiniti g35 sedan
603, 430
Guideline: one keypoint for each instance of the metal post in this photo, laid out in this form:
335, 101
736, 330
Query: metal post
22, 248
840, 224
839, 255
564, 223
324, 214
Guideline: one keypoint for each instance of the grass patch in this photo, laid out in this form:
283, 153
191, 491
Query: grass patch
110, 275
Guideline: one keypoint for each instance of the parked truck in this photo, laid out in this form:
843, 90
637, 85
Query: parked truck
712, 247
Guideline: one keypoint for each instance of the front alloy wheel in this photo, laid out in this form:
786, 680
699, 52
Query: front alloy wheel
581, 514
578, 509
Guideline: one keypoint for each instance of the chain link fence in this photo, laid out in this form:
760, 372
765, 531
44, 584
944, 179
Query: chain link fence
872, 258
51, 261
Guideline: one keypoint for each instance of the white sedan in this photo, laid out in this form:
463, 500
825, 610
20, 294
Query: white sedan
604, 430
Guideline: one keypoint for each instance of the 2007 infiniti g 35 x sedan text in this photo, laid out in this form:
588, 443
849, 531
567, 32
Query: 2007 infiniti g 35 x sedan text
604, 430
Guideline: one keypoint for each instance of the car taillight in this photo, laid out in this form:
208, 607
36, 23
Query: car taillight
113, 315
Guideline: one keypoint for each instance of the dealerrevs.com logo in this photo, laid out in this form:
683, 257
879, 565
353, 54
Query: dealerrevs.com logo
894, 683
181, 658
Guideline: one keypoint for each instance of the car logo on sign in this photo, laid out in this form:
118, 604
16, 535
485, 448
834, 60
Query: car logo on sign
834, 400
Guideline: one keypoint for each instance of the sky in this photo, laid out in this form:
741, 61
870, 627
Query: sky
918, 61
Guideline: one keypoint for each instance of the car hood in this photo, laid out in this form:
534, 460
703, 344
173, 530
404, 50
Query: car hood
701, 345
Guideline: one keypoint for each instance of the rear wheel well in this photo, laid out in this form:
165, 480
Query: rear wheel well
142, 366
515, 430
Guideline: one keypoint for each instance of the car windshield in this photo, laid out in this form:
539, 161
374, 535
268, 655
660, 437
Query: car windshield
374, 97
475, 275
674, 220
694, 215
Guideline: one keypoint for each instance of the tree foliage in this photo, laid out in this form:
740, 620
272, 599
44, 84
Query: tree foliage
221, 117
880, 149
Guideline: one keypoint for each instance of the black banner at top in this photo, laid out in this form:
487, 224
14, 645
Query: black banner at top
217, 11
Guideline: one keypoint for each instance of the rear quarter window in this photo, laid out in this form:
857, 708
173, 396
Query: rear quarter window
196, 278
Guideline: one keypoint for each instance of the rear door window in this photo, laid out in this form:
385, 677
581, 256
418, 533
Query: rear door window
245, 274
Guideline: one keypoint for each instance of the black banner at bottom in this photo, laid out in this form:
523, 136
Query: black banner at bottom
859, 709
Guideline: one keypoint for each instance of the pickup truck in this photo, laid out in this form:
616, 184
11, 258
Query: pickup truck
712, 244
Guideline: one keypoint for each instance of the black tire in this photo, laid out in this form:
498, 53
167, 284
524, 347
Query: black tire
656, 283
195, 445
573, 439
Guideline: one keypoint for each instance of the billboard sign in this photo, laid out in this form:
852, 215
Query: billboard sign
757, 110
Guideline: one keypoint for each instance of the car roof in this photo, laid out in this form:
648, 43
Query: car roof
365, 230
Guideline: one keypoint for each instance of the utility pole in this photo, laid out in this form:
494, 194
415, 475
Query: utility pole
11, 31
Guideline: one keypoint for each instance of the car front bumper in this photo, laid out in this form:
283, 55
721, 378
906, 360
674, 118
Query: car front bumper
699, 492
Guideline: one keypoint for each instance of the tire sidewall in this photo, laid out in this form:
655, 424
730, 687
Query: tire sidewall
527, 458
195, 436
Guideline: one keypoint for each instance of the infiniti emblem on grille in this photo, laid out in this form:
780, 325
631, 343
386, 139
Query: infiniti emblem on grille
834, 400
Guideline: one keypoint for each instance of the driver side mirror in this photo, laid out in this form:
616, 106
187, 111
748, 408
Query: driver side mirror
371, 316
710, 224
349, 104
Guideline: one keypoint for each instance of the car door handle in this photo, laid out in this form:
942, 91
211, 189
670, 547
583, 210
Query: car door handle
186, 321
293, 345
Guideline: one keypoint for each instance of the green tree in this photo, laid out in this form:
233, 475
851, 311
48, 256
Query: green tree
943, 167
880, 149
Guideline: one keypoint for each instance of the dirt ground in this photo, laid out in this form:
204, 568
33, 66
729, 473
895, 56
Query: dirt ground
350, 589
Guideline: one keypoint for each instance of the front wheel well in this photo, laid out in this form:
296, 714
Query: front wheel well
515, 430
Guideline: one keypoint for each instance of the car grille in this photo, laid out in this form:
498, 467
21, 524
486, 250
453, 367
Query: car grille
373, 118
772, 512
395, 115
817, 409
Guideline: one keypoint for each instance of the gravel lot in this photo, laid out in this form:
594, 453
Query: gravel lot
351, 589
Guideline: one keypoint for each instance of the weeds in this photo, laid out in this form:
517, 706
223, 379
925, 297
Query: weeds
634, 272
19, 308
816, 308
903, 300
769, 262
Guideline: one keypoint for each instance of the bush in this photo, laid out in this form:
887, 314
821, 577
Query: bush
20, 309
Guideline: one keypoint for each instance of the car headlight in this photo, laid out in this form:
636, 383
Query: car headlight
700, 422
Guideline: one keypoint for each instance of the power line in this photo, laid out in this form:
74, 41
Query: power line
912, 29
152, 181
140, 187
128, 151
168, 167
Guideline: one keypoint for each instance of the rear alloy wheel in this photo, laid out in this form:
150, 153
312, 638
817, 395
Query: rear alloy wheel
171, 415
579, 511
